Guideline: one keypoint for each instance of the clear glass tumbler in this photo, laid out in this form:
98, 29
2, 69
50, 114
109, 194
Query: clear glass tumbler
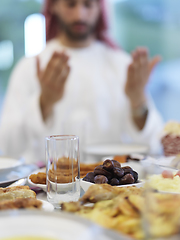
62, 169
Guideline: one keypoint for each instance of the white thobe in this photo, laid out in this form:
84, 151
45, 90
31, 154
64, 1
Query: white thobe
94, 105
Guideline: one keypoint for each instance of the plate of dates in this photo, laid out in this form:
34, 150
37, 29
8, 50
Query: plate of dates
111, 172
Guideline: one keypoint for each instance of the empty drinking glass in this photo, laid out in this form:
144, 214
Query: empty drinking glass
62, 169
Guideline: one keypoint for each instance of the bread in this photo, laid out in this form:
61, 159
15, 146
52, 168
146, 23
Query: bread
20, 203
12, 193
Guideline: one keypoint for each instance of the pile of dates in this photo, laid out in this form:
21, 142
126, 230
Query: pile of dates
112, 173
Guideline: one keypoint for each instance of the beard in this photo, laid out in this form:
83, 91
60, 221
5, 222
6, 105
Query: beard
71, 30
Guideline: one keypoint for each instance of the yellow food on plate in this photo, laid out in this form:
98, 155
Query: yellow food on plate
113, 207
63, 163
121, 209
160, 183
39, 178
18, 197
12, 193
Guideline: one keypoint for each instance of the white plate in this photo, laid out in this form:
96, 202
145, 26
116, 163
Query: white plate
46, 206
63, 186
42, 186
7, 164
85, 185
16, 173
115, 149
58, 226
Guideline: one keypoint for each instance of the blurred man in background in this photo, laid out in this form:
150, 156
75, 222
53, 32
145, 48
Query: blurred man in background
81, 83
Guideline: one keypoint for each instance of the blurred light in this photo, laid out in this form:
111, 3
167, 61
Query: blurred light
151, 13
119, 0
34, 34
6, 54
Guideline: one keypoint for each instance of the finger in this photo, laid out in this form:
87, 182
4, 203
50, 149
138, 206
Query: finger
131, 75
63, 75
138, 72
154, 61
143, 50
63, 78
58, 71
65, 55
38, 70
134, 55
55, 66
143, 69
55, 56
49, 68
142, 54
143, 63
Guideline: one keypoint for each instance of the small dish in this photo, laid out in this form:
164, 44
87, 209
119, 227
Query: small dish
60, 186
42, 186
85, 185
22, 171
8, 164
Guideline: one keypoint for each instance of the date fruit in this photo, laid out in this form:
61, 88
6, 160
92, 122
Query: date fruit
116, 163
118, 172
127, 179
99, 170
89, 177
135, 175
100, 179
108, 165
114, 182
127, 169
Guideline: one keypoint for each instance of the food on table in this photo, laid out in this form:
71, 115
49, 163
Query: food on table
19, 203
162, 215
171, 138
121, 159
100, 192
59, 176
127, 158
85, 168
18, 197
167, 181
112, 173
39, 178
12, 193
100, 179
61, 172
121, 209
167, 174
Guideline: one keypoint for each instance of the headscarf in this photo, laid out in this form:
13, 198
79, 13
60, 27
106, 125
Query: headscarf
52, 26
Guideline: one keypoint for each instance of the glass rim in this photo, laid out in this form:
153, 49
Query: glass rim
62, 137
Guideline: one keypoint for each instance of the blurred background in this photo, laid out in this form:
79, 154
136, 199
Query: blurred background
151, 23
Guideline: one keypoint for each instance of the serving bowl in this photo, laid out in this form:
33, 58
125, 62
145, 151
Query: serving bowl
85, 185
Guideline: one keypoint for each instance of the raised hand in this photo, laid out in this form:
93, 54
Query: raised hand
138, 75
52, 81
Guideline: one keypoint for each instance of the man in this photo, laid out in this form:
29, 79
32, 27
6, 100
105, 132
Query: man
80, 84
